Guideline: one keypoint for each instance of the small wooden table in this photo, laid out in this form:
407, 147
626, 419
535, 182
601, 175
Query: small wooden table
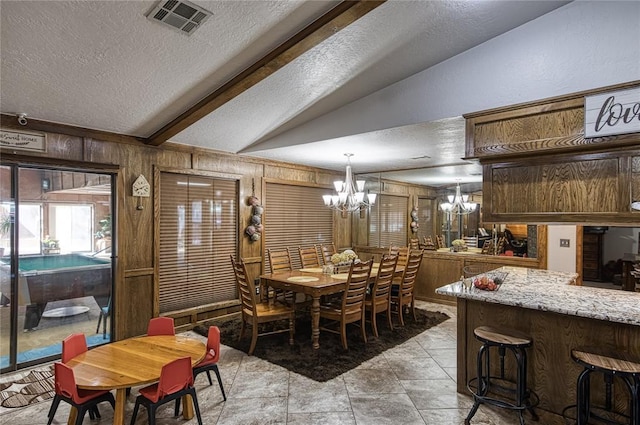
314, 284
132, 362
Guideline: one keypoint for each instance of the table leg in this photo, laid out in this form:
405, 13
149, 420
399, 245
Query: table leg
315, 321
187, 409
73, 414
118, 411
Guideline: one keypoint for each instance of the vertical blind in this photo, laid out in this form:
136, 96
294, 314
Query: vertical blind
388, 224
296, 216
198, 228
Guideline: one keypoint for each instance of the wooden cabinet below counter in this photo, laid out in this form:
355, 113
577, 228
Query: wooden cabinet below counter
441, 268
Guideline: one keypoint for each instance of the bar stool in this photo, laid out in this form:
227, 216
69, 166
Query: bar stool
627, 370
497, 390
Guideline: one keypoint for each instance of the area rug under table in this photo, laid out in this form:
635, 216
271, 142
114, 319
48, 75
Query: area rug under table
330, 360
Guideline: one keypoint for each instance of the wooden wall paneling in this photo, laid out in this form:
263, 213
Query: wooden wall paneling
174, 159
635, 180
435, 272
134, 306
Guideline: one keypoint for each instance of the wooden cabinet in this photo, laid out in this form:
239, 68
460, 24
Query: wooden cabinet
592, 256
539, 168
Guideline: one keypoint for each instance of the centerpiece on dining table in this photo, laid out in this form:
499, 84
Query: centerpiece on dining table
342, 261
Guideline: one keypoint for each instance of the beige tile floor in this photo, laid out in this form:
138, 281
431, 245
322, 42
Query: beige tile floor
413, 383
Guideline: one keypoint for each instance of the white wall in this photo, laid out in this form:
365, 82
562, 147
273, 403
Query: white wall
580, 46
619, 241
561, 259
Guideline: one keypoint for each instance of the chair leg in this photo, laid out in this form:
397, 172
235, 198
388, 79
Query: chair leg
343, 335
389, 317
53, 408
217, 371
292, 327
196, 407
254, 338
401, 313
176, 409
413, 309
81, 412
135, 413
242, 328
99, 320
151, 411
374, 325
209, 378
363, 329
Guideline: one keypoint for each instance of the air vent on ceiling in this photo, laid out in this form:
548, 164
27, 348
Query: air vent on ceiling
181, 15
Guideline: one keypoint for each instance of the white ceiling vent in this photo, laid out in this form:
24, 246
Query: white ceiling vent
181, 15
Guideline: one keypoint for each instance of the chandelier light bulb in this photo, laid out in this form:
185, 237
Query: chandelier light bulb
350, 193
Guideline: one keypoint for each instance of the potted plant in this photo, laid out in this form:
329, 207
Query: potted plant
5, 228
103, 235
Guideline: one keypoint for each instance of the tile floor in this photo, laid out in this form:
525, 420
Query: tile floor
413, 383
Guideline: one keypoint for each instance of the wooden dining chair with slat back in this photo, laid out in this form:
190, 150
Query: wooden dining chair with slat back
327, 251
402, 293
350, 308
309, 257
256, 313
379, 298
280, 261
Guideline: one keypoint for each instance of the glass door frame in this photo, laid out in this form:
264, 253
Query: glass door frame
15, 167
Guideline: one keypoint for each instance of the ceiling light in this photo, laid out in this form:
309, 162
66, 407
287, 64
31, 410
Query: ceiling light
350, 194
458, 203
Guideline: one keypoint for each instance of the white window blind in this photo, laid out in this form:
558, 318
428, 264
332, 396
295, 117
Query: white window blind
296, 216
389, 221
198, 228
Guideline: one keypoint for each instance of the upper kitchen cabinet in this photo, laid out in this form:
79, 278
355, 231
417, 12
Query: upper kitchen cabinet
538, 166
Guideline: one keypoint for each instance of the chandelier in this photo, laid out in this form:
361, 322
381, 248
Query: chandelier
350, 194
458, 203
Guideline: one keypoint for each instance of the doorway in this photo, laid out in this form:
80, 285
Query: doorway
56, 267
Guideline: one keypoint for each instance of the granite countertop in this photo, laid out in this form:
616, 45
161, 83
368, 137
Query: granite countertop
552, 291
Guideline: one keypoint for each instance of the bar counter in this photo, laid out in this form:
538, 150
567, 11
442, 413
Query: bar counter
559, 317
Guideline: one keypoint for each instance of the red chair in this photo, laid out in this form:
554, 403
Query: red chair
72, 346
210, 361
161, 326
176, 380
82, 400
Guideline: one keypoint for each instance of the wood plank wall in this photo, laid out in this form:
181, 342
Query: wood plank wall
135, 297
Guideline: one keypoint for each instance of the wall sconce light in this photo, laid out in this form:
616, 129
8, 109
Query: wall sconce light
46, 185
141, 189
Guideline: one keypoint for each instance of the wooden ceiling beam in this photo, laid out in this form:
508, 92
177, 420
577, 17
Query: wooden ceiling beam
321, 29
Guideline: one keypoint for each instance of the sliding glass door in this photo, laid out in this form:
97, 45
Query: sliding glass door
55, 261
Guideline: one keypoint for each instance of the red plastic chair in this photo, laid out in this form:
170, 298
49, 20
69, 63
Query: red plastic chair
176, 381
72, 346
82, 400
210, 361
161, 326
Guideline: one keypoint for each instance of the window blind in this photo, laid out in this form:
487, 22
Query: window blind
389, 220
198, 228
295, 216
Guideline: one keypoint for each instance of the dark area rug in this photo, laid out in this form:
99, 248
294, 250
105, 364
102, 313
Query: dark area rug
331, 359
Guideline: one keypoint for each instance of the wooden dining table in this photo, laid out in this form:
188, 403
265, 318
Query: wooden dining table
132, 362
312, 282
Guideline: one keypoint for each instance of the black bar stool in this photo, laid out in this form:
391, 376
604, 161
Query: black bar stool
621, 366
497, 390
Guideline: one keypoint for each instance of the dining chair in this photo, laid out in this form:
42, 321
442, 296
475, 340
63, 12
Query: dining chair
414, 243
378, 300
256, 313
72, 346
351, 308
327, 251
160, 326
280, 261
402, 293
309, 257
83, 400
176, 381
102, 318
210, 361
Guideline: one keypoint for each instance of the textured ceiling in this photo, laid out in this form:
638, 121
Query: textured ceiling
103, 65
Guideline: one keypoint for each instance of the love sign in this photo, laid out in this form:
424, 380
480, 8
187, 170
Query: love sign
612, 113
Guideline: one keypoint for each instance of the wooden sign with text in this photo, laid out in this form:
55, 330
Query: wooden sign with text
612, 113
33, 142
